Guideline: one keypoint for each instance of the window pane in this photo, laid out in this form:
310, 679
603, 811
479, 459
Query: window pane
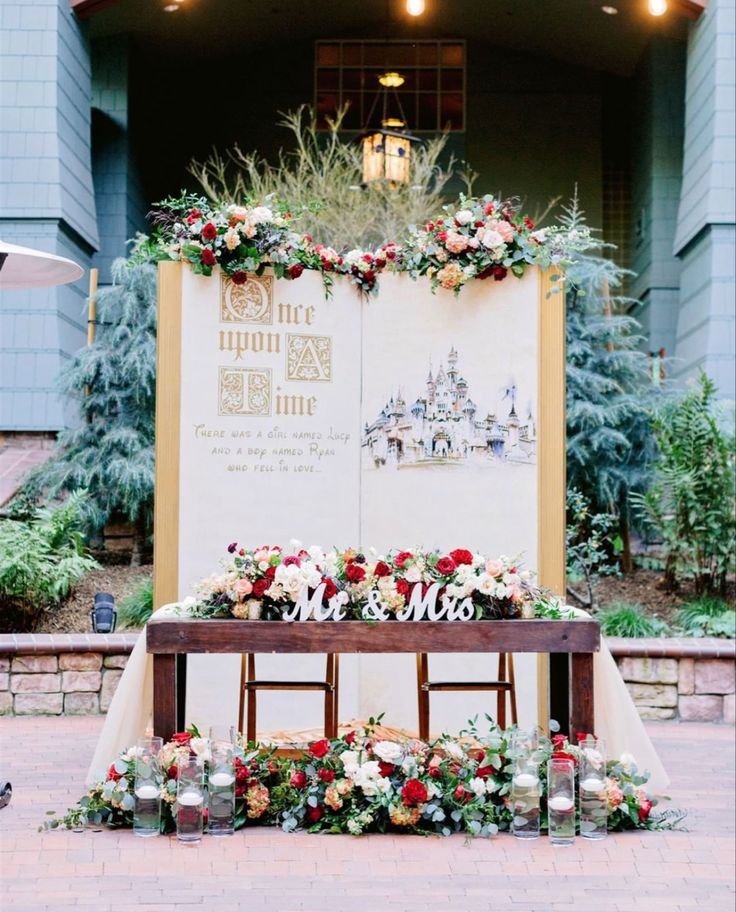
351, 54
427, 54
352, 80
452, 80
353, 119
328, 55
328, 79
451, 112
427, 107
427, 80
452, 55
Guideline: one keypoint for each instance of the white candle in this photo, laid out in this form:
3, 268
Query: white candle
526, 780
592, 784
561, 803
147, 792
190, 799
221, 780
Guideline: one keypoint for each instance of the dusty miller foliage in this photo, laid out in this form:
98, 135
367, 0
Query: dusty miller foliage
320, 177
110, 453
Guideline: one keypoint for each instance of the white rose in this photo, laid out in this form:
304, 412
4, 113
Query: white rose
540, 235
413, 575
349, 761
464, 216
452, 749
490, 238
384, 785
477, 786
201, 747
388, 751
628, 761
261, 214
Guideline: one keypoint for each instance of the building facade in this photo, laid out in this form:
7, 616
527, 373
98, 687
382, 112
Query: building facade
104, 103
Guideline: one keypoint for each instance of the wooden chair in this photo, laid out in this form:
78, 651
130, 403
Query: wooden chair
250, 685
504, 685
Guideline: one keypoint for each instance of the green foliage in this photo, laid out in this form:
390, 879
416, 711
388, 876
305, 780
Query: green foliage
589, 547
321, 180
627, 619
41, 558
707, 617
110, 453
135, 609
692, 501
610, 397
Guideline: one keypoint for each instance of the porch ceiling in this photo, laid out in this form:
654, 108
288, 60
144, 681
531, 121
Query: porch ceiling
574, 31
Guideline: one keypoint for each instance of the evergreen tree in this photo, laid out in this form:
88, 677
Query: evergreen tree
110, 454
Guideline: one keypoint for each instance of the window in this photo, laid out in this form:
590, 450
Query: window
432, 96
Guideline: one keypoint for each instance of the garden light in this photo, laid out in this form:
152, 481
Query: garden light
104, 614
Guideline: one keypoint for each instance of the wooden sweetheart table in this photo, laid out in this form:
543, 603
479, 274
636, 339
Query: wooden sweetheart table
570, 644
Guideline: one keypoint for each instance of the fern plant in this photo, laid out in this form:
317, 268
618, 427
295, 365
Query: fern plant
135, 609
41, 558
692, 502
708, 616
627, 619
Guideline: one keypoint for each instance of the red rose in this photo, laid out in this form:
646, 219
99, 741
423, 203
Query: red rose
315, 814
584, 736
326, 775
182, 738
484, 772
319, 748
488, 208
298, 779
368, 258
260, 586
442, 236
330, 589
462, 556
173, 772
350, 737
445, 566
355, 573
440, 221
459, 793
208, 257
435, 772
499, 273
271, 572
386, 769
562, 755
113, 774
239, 277
402, 557
402, 587
528, 222
295, 270
645, 809
209, 232
382, 569
414, 793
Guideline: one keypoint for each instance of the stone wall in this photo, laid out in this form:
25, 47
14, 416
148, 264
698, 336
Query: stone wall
686, 679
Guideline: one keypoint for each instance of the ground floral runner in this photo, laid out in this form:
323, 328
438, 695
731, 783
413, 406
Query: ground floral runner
477, 238
357, 784
268, 583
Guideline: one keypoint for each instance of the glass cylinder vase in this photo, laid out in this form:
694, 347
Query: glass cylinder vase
561, 801
147, 787
592, 788
190, 802
221, 791
525, 792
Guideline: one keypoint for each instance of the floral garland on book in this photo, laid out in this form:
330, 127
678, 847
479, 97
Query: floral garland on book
357, 784
477, 238
268, 583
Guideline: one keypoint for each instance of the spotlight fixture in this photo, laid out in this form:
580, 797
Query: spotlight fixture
171, 7
610, 10
657, 7
415, 7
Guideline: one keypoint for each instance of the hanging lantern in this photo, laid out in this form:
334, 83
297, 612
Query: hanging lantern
387, 150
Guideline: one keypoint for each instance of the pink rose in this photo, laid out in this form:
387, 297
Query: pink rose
503, 228
494, 567
243, 588
456, 242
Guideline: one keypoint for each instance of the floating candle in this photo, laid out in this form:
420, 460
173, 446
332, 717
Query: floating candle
190, 799
592, 784
561, 803
221, 780
147, 792
526, 780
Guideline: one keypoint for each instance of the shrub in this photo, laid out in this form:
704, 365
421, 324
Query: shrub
589, 547
41, 558
627, 619
136, 608
708, 617
692, 501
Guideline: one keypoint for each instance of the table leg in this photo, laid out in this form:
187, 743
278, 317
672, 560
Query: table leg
181, 691
164, 695
582, 713
559, 690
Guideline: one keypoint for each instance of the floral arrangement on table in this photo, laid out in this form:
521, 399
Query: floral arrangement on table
358, 783
262, 583
476, 238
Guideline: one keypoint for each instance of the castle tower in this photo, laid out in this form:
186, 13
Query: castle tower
452, 368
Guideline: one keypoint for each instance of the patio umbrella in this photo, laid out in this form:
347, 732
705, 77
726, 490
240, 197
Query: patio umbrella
23, 267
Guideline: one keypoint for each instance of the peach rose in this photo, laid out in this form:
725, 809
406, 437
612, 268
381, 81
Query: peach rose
494, 567
503, 228
243, 588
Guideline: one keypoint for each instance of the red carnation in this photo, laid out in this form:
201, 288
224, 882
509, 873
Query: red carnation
402, 557
208, 257
209, 232
402, 587
326, 775
645, 809
298, 779
442, 236
330, 589
260, 586
239, 277
194, 214
382, 569
292, 560
488, 208
318, 749
414, 793
461, 556
295, 270
315, 814
445, 566
355, 573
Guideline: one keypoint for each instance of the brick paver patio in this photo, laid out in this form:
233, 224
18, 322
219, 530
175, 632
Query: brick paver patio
112, 871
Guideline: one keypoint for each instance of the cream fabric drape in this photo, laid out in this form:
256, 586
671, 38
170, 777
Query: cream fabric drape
617, 720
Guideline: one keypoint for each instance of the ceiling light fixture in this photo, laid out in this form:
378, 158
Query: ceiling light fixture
610, 10
415, 7
657, 7
171, 7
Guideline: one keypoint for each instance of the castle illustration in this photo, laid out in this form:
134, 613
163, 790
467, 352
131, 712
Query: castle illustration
444, 425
